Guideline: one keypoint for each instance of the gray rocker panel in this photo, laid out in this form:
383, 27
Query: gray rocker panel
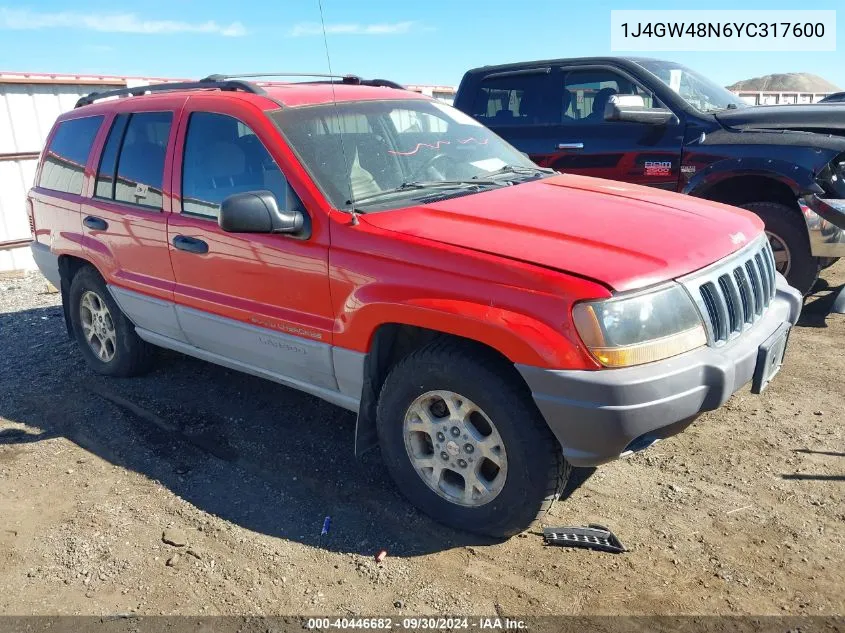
332, 373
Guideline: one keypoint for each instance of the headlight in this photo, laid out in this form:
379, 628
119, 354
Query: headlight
640, 329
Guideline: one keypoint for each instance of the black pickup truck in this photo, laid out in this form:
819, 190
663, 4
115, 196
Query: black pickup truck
658, 123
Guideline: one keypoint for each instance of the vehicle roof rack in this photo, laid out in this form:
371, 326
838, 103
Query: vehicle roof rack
202, 84
231, 83
346, 79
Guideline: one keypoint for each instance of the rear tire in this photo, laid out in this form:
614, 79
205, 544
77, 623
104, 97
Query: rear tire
787, 233
475, 401
106, 338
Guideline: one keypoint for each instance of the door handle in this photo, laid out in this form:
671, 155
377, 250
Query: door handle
95, 224
190, 244
570, 146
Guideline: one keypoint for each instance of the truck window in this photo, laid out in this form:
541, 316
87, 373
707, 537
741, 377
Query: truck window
586, 93
64, 161
518, 99
224, 156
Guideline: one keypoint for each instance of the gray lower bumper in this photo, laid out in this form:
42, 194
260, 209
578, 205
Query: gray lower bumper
825, 226
598, 415
47, 262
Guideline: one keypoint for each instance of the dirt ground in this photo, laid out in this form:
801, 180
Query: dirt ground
744, 513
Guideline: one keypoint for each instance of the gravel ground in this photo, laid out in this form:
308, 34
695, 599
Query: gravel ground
197, 490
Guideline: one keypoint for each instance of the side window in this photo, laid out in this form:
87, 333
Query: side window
224, 156
108, 161
65, 158
140, 163
587, 92
518, 99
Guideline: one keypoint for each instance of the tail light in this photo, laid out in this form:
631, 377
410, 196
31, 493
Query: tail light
30, 211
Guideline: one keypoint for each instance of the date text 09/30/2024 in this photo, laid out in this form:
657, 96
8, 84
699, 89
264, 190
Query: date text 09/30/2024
418, 623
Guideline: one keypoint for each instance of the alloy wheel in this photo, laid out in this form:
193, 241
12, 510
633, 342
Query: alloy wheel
98, 326
455, 448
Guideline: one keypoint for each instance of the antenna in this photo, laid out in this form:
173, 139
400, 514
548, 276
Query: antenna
352, 210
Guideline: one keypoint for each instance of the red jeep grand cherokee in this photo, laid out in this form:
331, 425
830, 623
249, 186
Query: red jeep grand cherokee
491, 322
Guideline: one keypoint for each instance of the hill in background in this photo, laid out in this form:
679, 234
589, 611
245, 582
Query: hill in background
786, 82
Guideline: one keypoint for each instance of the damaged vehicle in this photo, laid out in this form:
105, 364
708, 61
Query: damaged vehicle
658, 123
387, 253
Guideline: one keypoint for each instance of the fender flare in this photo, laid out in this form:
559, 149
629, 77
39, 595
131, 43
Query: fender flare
799, 179
463, 321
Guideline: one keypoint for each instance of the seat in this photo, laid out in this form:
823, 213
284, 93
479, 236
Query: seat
530, 107
503, 117
600, 101
567, 101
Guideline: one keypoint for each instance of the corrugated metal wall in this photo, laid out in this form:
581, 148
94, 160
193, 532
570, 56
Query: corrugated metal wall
27, 112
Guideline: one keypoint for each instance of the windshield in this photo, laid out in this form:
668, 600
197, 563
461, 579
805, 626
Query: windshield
393, 153
696, 89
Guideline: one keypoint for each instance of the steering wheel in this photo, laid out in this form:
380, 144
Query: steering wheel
429, 164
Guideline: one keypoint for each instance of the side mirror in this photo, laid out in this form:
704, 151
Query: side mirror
258, 212
631, 108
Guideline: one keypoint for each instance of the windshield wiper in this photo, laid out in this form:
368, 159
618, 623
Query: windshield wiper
520, 170
427, 184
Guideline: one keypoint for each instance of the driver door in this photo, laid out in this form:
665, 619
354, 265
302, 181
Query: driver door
259, 301
584, 143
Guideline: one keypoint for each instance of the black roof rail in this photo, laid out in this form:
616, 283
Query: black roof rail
347, 79
203, 84
382, 83
280, 74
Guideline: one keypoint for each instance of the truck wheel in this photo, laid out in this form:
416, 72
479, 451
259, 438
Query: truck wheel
465, 442
105, 336
787, 234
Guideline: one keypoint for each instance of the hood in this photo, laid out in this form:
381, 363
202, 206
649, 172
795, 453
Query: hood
625, 236
820, 117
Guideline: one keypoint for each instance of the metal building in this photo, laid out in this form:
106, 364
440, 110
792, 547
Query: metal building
782, 97
29, 104
441, 93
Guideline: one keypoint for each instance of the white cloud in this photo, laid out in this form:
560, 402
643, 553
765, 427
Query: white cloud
24, 19
314, 28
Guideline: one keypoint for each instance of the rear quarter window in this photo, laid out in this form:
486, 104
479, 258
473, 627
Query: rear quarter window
64, 161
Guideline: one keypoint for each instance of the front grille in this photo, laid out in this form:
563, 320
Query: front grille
732, 295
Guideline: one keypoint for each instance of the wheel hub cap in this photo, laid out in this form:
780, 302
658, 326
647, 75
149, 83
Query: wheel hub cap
97, 326
455, 448
781, 253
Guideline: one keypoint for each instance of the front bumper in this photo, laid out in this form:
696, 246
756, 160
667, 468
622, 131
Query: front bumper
825, 225
599, 415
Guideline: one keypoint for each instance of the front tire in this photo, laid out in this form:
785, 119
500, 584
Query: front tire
464, 441
787, 234
106, 338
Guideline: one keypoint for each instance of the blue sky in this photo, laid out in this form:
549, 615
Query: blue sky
431, 42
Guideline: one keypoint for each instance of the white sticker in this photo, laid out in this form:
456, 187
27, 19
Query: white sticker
489, 164
456, 115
